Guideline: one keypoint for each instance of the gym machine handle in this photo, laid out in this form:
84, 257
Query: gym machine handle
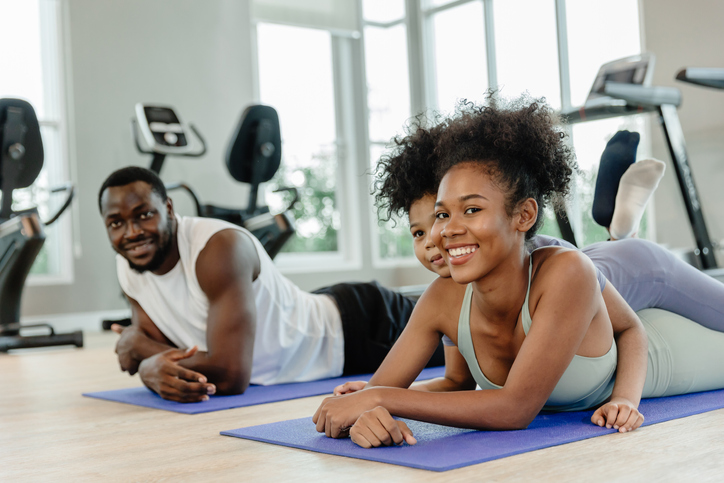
190, 191
294, 200
68, 199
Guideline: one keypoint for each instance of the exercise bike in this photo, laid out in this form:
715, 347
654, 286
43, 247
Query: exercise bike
22, 232
253, 156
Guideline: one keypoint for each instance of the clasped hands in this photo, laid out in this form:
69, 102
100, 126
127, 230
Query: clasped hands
162, 372
358, 414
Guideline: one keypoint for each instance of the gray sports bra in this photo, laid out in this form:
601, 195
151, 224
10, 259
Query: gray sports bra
588, 381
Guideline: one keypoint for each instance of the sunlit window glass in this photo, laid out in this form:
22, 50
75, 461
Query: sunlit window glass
591, 43
295, 77
461, 71
526, 48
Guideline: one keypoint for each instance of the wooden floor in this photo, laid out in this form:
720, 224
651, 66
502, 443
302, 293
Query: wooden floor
49, 432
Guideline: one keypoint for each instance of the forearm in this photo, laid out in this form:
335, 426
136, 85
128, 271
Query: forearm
439, 384
144, 346
632, 345
228, 377
484, 409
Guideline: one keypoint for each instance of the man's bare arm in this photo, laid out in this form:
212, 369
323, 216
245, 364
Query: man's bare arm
225, 269
140, 340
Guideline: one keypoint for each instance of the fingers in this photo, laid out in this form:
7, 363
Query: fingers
348, 387
187, 374
623, 413
597, 417
180, 354
611, 412
378, 428
187, 391
634, 420
621, 417
319, 415
363, 436
117, 328
406, 433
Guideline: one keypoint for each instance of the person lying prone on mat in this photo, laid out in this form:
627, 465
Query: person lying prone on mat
211, 313
533, 330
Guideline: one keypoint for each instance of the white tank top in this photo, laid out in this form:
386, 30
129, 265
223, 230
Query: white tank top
298, 335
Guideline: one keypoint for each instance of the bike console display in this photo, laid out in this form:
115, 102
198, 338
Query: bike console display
162, 129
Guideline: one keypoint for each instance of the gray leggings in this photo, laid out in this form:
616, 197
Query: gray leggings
683, 356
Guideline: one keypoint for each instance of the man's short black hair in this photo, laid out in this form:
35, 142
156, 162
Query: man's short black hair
131, 174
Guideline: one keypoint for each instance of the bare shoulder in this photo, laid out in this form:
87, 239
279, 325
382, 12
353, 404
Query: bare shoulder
440, 304
229, 257
561, 262
563, 270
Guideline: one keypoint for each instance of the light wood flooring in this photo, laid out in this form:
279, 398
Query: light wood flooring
49, 432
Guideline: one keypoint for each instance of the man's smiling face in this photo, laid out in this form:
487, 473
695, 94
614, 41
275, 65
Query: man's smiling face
140, 225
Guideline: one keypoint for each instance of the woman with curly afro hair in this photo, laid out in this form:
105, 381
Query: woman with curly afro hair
535, 330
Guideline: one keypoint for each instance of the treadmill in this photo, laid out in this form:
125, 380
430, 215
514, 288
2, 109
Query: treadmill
21, 232
702, 76
622, 88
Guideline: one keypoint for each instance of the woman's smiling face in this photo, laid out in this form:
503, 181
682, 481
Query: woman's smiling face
472, 228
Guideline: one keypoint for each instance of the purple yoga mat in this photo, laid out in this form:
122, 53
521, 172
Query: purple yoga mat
142, 396
441, 448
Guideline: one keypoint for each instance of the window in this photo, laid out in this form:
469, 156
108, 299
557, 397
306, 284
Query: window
309, 149
456, 54
416, 56
527, 49
388, 106
614, 34
31, 55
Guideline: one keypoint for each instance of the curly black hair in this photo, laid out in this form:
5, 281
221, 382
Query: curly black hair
409, 171
519, 142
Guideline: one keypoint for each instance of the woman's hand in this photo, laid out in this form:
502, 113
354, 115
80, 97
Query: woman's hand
349, 387
377, 427
618, 413
337, 414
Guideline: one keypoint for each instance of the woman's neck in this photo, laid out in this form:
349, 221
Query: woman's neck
499, 295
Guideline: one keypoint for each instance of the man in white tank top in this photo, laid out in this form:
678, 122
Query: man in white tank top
212, 314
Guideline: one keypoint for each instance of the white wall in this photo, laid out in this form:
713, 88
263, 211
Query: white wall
194, 55
689, 34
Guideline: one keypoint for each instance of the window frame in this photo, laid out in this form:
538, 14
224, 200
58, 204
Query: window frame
355, 204
53, 40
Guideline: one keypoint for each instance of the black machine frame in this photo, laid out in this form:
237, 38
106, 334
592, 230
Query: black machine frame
22, 232
616, 99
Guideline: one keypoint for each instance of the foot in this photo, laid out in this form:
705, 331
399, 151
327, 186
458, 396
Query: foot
620, 153
637, 185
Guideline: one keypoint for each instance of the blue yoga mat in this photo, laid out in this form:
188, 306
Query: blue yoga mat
441, 448
142, 396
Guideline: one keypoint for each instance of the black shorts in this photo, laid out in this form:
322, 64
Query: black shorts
373, 317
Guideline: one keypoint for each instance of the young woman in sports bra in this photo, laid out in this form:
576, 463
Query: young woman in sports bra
531, 329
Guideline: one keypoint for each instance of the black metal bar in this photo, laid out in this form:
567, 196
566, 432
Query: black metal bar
157, 162
677, 147
25, 342
566, 228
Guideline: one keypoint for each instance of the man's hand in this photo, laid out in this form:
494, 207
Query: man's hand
124, 347
377, 427
338, 413
162, 374
618, 413
349, 387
